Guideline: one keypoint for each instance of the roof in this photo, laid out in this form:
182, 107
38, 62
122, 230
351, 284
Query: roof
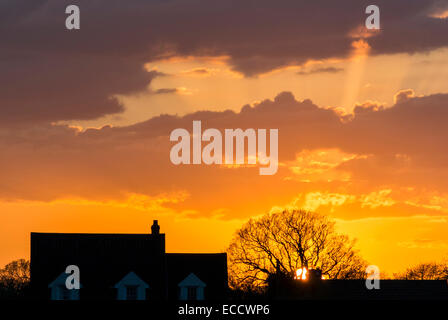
131, 279
103, 259
210, 268
191, 281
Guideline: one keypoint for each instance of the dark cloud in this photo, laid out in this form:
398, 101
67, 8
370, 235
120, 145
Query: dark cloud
166, 90
50, 73
320, 70
403, 95
198, 71
414, 126
44, 88
403, 145
366, 107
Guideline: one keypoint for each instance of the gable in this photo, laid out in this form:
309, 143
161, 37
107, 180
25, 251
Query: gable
131, 279
60, 281
192, 281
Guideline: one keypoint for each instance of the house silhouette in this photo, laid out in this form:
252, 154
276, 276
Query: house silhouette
123, 267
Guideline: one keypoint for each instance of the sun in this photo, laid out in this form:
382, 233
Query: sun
301, 274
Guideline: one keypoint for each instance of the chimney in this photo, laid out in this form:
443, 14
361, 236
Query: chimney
155, 228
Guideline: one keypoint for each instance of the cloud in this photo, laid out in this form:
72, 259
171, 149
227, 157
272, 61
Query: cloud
385, 148
199, 72
50, 73
403, 95
180, 90
166, 90
368, 106
314, 200
321, 70
45, 88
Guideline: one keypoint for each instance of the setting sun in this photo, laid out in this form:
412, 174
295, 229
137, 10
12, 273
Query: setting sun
301, 274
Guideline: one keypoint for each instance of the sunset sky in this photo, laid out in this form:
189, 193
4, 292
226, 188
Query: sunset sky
362, 118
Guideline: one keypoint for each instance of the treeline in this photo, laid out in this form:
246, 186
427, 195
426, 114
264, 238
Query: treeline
425, 271
15, 279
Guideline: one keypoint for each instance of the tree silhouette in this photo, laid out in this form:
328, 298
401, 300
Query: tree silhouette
425, 271
284, 241
14, 278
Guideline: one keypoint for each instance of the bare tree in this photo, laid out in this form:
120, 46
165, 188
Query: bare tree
285, 241
425, 271
14, 277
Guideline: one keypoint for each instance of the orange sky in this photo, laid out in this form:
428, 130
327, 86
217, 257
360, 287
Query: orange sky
362, 135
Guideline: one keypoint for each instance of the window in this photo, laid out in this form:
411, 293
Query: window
192, 293
191, 288
64, 293
131, 292
59, 290
131, 287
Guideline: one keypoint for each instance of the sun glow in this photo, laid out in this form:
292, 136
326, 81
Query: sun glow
301, 274
355, 72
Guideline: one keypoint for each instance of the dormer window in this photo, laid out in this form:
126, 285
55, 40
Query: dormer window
192, 293
59, 290
64, 293
191, 288
131, 292
131, 287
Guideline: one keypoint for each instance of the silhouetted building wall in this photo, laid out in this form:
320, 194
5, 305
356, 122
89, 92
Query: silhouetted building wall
123, 266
